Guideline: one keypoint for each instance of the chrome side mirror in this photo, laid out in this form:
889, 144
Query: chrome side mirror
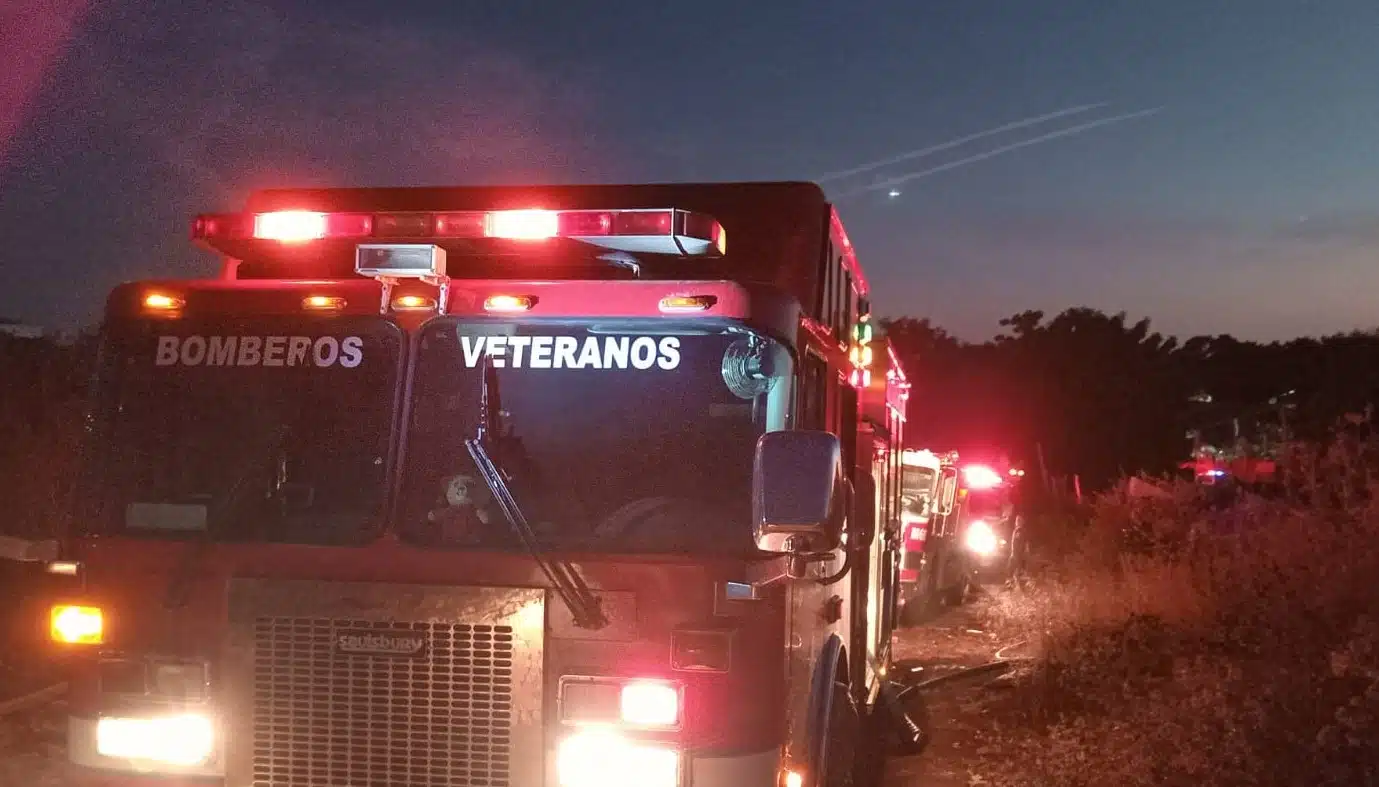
797, 505
947, 490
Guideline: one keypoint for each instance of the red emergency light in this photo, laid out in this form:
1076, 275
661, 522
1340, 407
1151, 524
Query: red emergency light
659, 231
981, 477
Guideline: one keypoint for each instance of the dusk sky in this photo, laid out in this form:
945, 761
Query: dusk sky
1248, 204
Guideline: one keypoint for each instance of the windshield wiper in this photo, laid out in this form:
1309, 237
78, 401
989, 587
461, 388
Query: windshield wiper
573, 590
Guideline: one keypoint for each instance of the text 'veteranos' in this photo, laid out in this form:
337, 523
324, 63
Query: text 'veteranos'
569, 352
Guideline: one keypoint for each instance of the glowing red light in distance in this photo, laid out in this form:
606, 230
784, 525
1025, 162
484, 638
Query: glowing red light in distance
980, 477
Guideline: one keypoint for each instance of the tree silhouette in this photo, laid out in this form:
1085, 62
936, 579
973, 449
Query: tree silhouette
42, 391
1101, 397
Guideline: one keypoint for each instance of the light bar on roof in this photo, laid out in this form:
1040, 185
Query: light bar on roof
649, 231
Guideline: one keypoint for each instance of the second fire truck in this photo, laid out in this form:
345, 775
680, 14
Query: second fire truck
959, 518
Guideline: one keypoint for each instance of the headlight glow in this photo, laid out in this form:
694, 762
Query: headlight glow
980, 538
650, 704
185, 740
611, 701
604, 758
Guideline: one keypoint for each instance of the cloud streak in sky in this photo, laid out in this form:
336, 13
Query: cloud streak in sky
1002, 150
953, 143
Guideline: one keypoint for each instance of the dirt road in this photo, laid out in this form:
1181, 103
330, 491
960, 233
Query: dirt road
32, 748
954, 714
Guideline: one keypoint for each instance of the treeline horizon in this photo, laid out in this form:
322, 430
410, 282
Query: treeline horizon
1102, 397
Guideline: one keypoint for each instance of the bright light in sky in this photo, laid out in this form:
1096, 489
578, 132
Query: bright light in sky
893, 193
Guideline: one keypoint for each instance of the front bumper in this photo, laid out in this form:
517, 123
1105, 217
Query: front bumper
759, 769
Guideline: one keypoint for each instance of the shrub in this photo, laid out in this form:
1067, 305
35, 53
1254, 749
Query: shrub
1183, 641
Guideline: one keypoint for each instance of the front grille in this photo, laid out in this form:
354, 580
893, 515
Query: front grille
414, 705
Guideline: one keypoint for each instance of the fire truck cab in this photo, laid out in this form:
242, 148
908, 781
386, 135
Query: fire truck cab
959, 518
987, 517
491, 487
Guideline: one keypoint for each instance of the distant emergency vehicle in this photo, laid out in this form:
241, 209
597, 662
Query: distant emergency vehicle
987, 517
1211, 469
957, 521
492, 487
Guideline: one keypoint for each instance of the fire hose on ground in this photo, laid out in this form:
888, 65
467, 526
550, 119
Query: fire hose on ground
999, 662
912, 735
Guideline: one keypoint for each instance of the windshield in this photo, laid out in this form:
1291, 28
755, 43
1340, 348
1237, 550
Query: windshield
917, 489
628, 436
987, 503
244, 429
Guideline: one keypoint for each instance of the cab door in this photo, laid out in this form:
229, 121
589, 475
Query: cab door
944, 533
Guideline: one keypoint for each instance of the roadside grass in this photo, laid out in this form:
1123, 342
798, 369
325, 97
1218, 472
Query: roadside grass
1177, 641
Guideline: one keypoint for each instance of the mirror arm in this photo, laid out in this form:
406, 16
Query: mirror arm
797, 564
842, 571
796, 568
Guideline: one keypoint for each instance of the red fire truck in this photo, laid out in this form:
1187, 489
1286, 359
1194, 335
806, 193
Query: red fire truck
488, 487
958, 521
987, 518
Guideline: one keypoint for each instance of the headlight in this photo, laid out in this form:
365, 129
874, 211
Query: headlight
604, 758
184, 681
185, 740
980, 538
647, 703
613, 701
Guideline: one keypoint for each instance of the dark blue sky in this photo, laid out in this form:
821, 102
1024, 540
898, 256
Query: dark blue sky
1247, 205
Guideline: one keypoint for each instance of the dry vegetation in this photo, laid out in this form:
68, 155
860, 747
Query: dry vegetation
1182, 640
